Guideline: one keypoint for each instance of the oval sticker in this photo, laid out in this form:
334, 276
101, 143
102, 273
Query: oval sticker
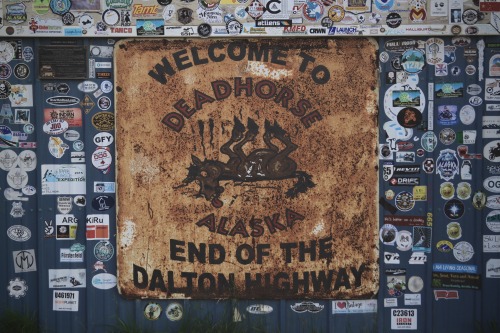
62, 100
491, 151
87, 86
493, 202
71, 135
103, 139
103, 202
104, 281
104, 121
19, 233
55, 126
259, 309
492, 184
28, 190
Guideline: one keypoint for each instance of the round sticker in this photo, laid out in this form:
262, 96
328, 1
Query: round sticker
104, 103
447, 136
393, 20
463, 251
479, 200
429, 141
106, 86
475, 101
27, 160
5, 71
21, 71
454, 209
101, 158
491, 151
104, 250
447, 190
415, 284
17, 178
29, 128
111, 17
71, 135
454, 230
8, 159
152, 311
174, 311
409, 117
404, 201
404, 240
388, 234
464, 191
29, 190
55, 126
78, 145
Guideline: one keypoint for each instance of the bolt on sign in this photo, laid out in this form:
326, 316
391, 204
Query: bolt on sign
247, 168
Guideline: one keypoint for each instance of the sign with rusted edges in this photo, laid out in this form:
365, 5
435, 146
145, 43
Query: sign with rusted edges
247, 168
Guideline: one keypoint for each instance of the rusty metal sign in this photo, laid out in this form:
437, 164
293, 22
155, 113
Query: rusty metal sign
247, 168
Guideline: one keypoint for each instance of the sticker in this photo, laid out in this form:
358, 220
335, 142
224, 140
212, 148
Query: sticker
492, 268
396, 282
259, 309
64, 204
475, 101
405, 157
55, 126
78, 145
404, 201
80, 201
409, 117
97, 226
103, 121
22, 116
354, 306
447, 164
103, 139
404, 319
464, 190
104, 187
8, 159
17, 178
307, 306
17, 288
57, 147
102, 159
17, 210
492, 89
449, 90
104, 281
492, 184
447, 136
413, 61
103, 202
467, 137
71, 135
388, 234
422, 239
174, 311
429, 141
434, 50
444, 246
66, 226
152, 311
73, 116
391, 258
454, 230
70, 255
21, 71
447, 115
19, 233
491, 243
404, 240
61, 179
65, 300
445, 294
479, 200
104, 250
67, 278
104, 103
447, 190
87, 86
415, 284
493, 220
491, 151
454, 209
463, 251
24, 261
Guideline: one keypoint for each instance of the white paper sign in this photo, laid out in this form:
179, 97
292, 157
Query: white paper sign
491, 243
404, 319
65, 300
63, 179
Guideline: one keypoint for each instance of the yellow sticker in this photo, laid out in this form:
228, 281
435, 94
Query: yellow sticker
420, 193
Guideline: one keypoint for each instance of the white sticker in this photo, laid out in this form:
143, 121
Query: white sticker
66, 226
67, 278
103, 139
404, 319
493, 268
413, 299
354, 306
24, 261
68, 255
491, 243
65, 300
104, 281
63, 179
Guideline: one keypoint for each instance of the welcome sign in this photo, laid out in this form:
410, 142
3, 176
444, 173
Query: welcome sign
247, 168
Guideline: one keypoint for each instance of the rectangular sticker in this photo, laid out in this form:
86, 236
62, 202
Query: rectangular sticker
449, 90
72, 115
491, 243
67, 278
24, 261
63, 179
67, 255
491, 127
98, 226
66, 226
404, 319
65, 300
354, 306
456, 280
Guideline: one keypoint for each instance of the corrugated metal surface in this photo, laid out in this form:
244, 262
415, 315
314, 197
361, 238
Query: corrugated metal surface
100, 309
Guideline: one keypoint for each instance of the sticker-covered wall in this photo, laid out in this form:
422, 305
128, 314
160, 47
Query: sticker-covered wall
220, 18
438, 201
